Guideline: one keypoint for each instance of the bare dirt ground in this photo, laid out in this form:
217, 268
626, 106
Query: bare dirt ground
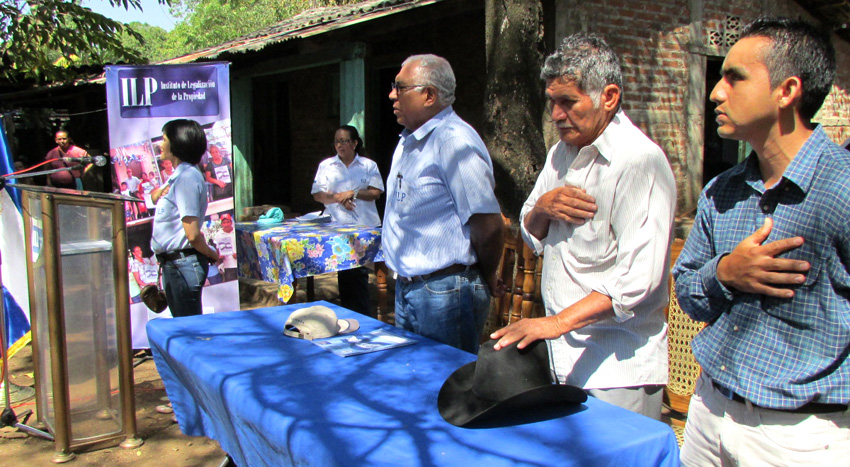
164, 444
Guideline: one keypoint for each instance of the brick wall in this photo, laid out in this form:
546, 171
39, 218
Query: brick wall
663, 63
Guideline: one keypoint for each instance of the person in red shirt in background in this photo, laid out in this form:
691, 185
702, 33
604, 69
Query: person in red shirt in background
66, 148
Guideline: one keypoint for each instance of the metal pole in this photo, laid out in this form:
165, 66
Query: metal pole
5, 342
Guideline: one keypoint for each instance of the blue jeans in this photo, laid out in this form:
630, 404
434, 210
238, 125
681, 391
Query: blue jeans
184, 279
450, 309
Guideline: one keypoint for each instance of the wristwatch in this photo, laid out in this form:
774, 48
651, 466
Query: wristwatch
355, 194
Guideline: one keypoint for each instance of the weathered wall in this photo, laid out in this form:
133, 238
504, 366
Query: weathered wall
314, 93
664, 46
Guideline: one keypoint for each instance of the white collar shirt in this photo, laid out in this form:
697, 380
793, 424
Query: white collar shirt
334, 177
622, 252
441, 175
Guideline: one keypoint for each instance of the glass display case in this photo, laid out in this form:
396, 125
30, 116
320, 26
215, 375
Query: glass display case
80, 318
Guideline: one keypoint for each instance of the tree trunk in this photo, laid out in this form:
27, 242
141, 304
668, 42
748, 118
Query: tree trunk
514, 98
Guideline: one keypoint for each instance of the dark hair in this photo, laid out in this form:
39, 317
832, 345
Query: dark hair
355, 136
797, 49
67, 135
187, 139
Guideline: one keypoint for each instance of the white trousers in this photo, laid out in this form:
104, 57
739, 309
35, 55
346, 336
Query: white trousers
645, 400
722, 432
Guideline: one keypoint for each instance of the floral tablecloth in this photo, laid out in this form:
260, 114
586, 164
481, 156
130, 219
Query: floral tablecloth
281, 253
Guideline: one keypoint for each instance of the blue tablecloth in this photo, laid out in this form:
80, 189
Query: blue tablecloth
270, 400
281, 253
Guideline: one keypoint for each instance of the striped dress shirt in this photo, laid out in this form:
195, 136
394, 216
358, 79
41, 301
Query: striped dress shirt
441, 175
623, 252
777, 353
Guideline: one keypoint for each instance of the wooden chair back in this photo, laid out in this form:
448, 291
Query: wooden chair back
683, 368
520, 269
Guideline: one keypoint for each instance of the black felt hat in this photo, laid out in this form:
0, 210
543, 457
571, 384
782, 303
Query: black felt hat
501, 384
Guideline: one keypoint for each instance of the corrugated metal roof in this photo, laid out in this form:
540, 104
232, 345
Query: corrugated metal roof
306, 24
834, 13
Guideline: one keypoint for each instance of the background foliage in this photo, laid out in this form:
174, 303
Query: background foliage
49, 40
209, 22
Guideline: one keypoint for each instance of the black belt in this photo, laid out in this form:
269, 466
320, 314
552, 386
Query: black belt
810, 408
453, 269
177, 254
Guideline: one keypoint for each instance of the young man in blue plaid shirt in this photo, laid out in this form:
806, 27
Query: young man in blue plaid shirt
767, 264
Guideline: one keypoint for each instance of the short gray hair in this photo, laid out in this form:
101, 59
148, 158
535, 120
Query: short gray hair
587, 60
435, 71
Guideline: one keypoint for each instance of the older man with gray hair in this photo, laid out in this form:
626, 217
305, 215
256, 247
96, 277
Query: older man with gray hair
442, 231
602, 214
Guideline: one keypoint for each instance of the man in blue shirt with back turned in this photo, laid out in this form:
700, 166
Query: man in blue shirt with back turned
767, 264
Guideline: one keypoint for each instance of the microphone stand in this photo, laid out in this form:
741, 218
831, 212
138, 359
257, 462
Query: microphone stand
4, 178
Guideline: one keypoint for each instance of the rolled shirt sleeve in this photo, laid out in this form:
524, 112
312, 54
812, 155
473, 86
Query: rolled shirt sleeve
642, 221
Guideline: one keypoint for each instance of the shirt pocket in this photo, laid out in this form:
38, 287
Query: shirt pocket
421, 196
809, 252
589, 242
799, 309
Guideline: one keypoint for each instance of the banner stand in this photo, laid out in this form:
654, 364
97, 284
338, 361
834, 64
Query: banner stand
140, 100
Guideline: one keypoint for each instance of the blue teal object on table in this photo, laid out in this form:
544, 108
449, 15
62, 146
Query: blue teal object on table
291, 250
270, 400
272, 216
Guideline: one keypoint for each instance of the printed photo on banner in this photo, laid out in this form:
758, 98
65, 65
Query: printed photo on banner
142, 264
217, 163
135, 174
220, 233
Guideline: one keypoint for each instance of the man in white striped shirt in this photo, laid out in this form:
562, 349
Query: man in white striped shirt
442, 231
602, 215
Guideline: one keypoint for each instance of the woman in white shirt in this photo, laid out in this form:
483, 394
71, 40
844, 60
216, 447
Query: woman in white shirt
348, 185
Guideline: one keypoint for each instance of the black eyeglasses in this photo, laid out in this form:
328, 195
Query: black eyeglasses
337, 142
400, 88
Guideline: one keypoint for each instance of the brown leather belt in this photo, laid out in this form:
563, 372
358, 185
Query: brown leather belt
453, 269
810, 408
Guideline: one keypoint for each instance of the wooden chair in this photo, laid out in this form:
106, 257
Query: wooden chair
683, 367
520, 269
